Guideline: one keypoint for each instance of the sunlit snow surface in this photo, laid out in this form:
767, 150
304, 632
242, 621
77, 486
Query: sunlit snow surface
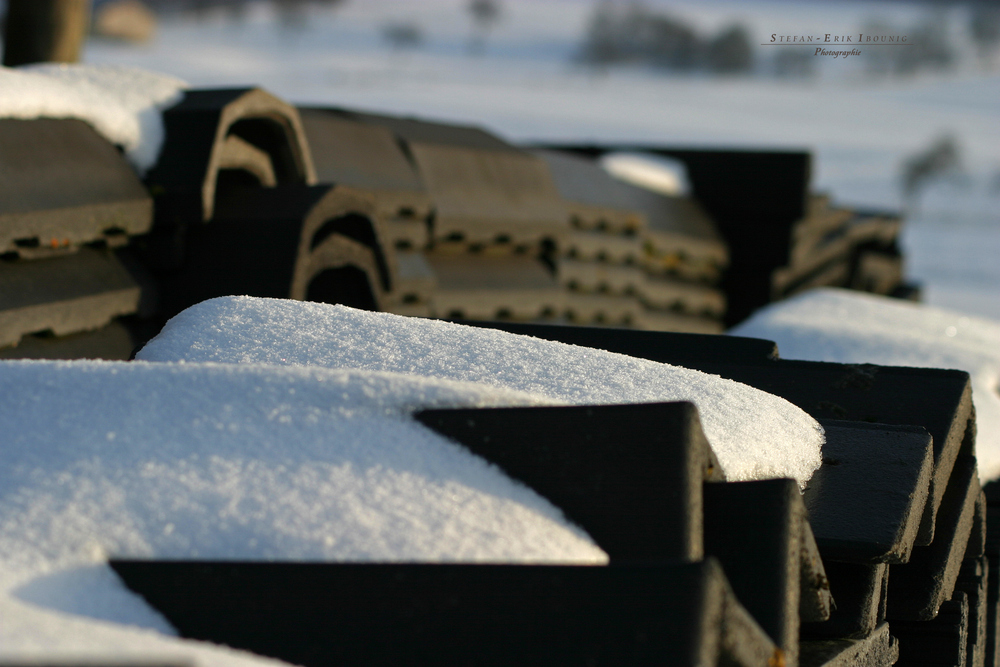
755, 435
845, 326
249, 462
302, 448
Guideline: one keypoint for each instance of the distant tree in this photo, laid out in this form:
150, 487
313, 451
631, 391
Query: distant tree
292, 13
636, 34
236, 9
931, 48
941, 159
984, 25
485, 14
602, 44
730, 51
879, 61
663, 40
402, 35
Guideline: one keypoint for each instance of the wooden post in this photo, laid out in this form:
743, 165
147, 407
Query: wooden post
45, 31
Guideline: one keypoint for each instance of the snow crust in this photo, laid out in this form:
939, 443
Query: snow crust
841, 325
754, 434
123, 104
251, 462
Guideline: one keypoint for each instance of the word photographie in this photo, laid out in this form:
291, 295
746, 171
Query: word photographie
820, 51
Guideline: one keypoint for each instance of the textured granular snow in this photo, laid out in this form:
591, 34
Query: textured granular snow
249, 462
851, 327
755, 435
123, 104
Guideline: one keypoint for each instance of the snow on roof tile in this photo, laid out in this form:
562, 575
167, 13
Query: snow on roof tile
755, 435
123, 104
852, 327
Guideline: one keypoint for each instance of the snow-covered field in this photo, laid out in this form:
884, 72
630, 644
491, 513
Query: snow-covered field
526, 87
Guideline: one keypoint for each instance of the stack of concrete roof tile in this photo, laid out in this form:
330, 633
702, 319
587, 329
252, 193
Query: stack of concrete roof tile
495, 218
513, 234
640, 479
472, 219
878, 261
752, 216
316, 243
415, 217
370, 157
884, 559
610, 252
68, 200
635, 257
896, 510
837, 247
238, 211
486, 192
214, 136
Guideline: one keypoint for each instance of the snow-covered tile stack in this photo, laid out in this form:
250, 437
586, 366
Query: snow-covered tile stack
942, 599
248, 330
223, 462
332, 337
897, 498
279, 432
68, 198
847, 327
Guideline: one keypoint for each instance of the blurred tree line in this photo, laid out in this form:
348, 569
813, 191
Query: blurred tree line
633, 33
292, 12
933, 41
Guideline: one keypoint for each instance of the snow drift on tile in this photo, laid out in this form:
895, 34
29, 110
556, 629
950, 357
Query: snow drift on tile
851, 327
123, 104
754, 434
214, 461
